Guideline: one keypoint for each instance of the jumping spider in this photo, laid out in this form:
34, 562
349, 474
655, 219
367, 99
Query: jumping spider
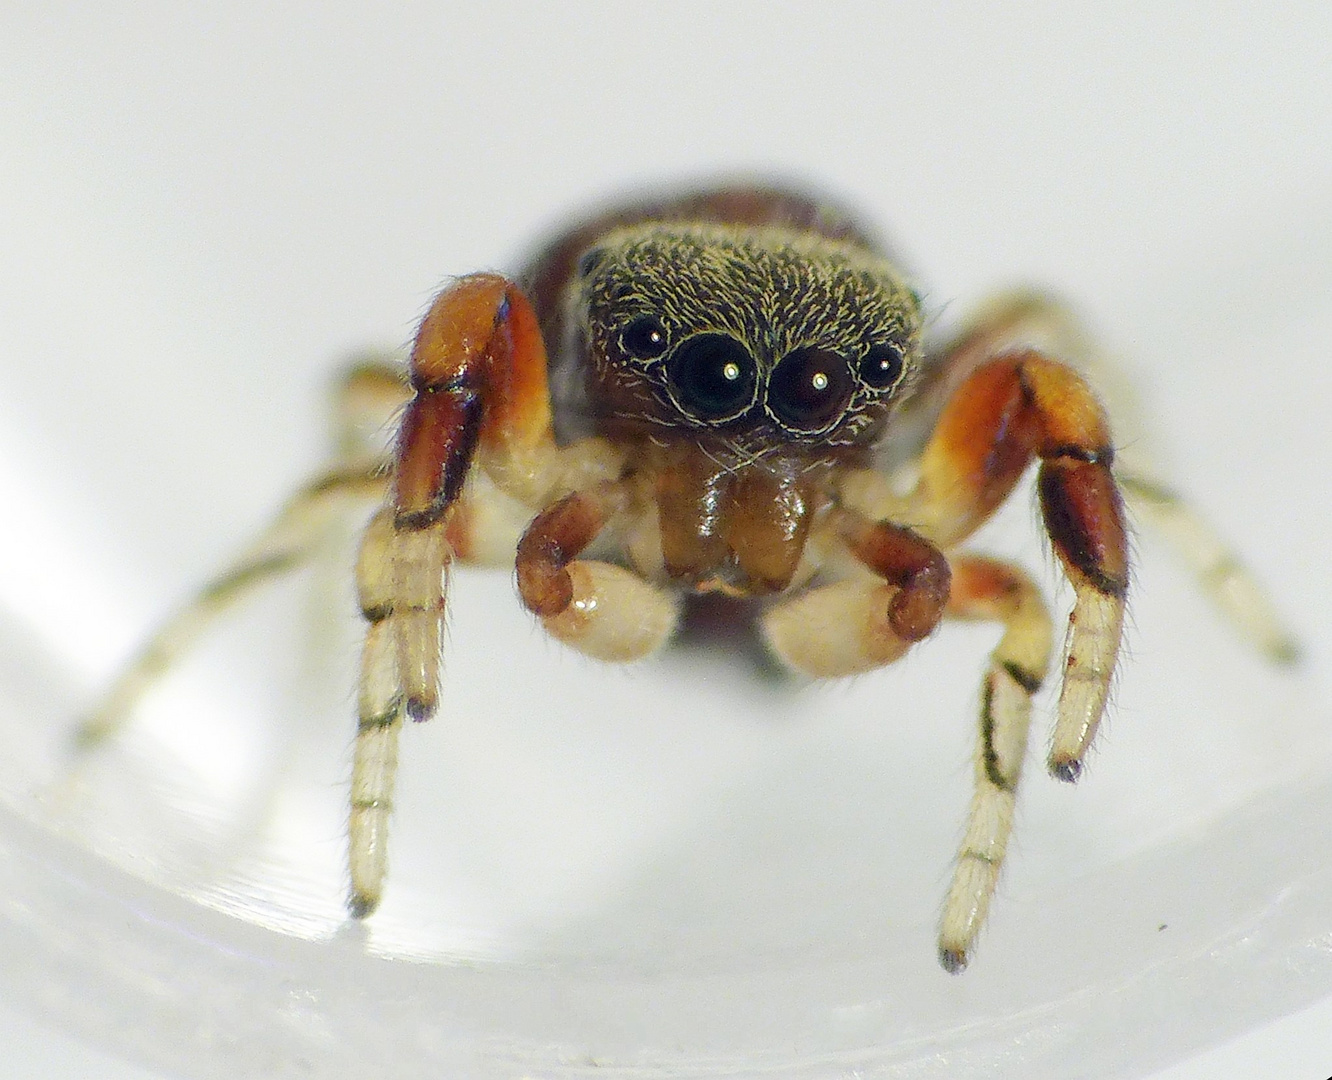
730, 371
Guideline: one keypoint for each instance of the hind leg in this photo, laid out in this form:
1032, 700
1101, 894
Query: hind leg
367, 396
1230, 585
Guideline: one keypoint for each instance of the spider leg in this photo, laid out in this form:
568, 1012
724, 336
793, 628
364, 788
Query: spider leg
1213, 563
861, 623
290, 541
365, 399
1008, 411
993, 590
480, 397
485, 523
405, 552
1008, 321
1035, 319
368, 399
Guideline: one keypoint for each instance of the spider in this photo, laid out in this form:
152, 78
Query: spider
729, 391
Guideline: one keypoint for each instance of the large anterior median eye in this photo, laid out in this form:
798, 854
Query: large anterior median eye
712, 377
810, 388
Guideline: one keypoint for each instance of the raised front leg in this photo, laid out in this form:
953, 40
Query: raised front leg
480, 397
477, 363
1007, 412
1033, 319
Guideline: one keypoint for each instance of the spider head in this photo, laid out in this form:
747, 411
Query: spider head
757, 336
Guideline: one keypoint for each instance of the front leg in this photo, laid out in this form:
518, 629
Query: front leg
1030, 319
478, 372
1007, 412
473, 338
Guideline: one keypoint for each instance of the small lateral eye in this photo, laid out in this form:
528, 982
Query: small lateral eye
881, 366
810, 388
644, 338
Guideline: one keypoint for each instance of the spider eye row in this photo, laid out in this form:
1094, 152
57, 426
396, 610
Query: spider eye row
713, 377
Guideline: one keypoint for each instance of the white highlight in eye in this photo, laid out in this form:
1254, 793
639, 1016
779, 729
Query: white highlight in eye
731, 372
820, 380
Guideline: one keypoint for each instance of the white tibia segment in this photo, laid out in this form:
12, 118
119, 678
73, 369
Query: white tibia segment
833, 630
291, 540
400, 584
1017, 665
615, 615
374, 766
1093, 641
420, 558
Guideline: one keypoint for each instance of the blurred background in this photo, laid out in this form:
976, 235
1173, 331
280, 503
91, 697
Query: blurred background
674, 867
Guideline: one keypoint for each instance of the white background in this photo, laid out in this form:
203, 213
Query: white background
202, 214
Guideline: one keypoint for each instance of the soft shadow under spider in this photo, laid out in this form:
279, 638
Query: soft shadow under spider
725, 627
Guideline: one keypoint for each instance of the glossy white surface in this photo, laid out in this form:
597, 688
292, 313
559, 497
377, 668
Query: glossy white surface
675, 867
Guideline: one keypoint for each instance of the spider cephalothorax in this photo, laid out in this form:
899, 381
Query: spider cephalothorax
762, 333
730, 368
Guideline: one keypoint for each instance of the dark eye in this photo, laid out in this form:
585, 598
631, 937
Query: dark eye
810, 388
712, 377
881, 366
644, 338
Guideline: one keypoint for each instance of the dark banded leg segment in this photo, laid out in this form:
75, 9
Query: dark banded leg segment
365, 397
1008, 411
1084, 516
992, 590
478, 379
405, 551
374, 767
